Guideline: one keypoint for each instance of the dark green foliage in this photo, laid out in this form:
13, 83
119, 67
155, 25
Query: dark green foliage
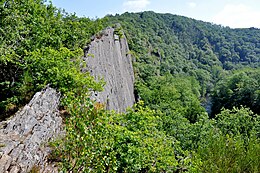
175, 44
172, 95
240, 88
38, 44
180, 62
228, 144
238, 122
222, 153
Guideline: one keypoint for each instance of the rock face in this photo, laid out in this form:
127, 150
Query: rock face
108, 57
23, 138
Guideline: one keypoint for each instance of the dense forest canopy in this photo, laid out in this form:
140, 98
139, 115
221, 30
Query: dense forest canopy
183, 67
169, 44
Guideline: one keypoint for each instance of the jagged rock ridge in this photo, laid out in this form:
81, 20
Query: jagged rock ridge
23, 138
108, 57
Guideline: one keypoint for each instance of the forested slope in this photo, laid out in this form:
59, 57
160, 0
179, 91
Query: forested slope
166, 43
184, 66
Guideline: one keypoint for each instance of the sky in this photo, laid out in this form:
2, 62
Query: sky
232, 13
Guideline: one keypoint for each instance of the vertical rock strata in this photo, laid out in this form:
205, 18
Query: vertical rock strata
108, 58
23, 138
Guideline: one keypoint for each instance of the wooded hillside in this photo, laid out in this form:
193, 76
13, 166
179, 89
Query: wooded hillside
184, 68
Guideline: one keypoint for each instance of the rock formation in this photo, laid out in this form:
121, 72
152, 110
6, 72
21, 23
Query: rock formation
108, 58
24, 136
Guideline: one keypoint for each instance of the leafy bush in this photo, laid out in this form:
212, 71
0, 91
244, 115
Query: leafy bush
230, 145
40, 45
238, 122
240, 88
60, 68
171, 95
102, 141
224, 153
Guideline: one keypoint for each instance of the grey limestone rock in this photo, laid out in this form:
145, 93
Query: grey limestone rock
108, 58
23, 138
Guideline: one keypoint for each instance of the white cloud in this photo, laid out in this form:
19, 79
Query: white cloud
238, 16
135, 5
192, 4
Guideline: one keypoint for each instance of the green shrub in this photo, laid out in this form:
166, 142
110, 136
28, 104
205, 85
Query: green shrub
39, 45
224, 153
238, 122
60, 68
230, 145
101, 141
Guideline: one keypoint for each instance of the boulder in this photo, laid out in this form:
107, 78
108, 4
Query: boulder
24, 137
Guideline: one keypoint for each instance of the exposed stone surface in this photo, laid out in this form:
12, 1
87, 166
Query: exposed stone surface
24, 137
108, 57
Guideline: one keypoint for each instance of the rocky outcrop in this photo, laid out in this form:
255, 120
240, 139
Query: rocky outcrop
108, 58
24, 137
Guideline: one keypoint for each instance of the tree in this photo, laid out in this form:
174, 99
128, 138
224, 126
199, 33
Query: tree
170, 94
240, 88
28, 30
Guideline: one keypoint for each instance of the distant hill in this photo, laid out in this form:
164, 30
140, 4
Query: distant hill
181, 37
176, 45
